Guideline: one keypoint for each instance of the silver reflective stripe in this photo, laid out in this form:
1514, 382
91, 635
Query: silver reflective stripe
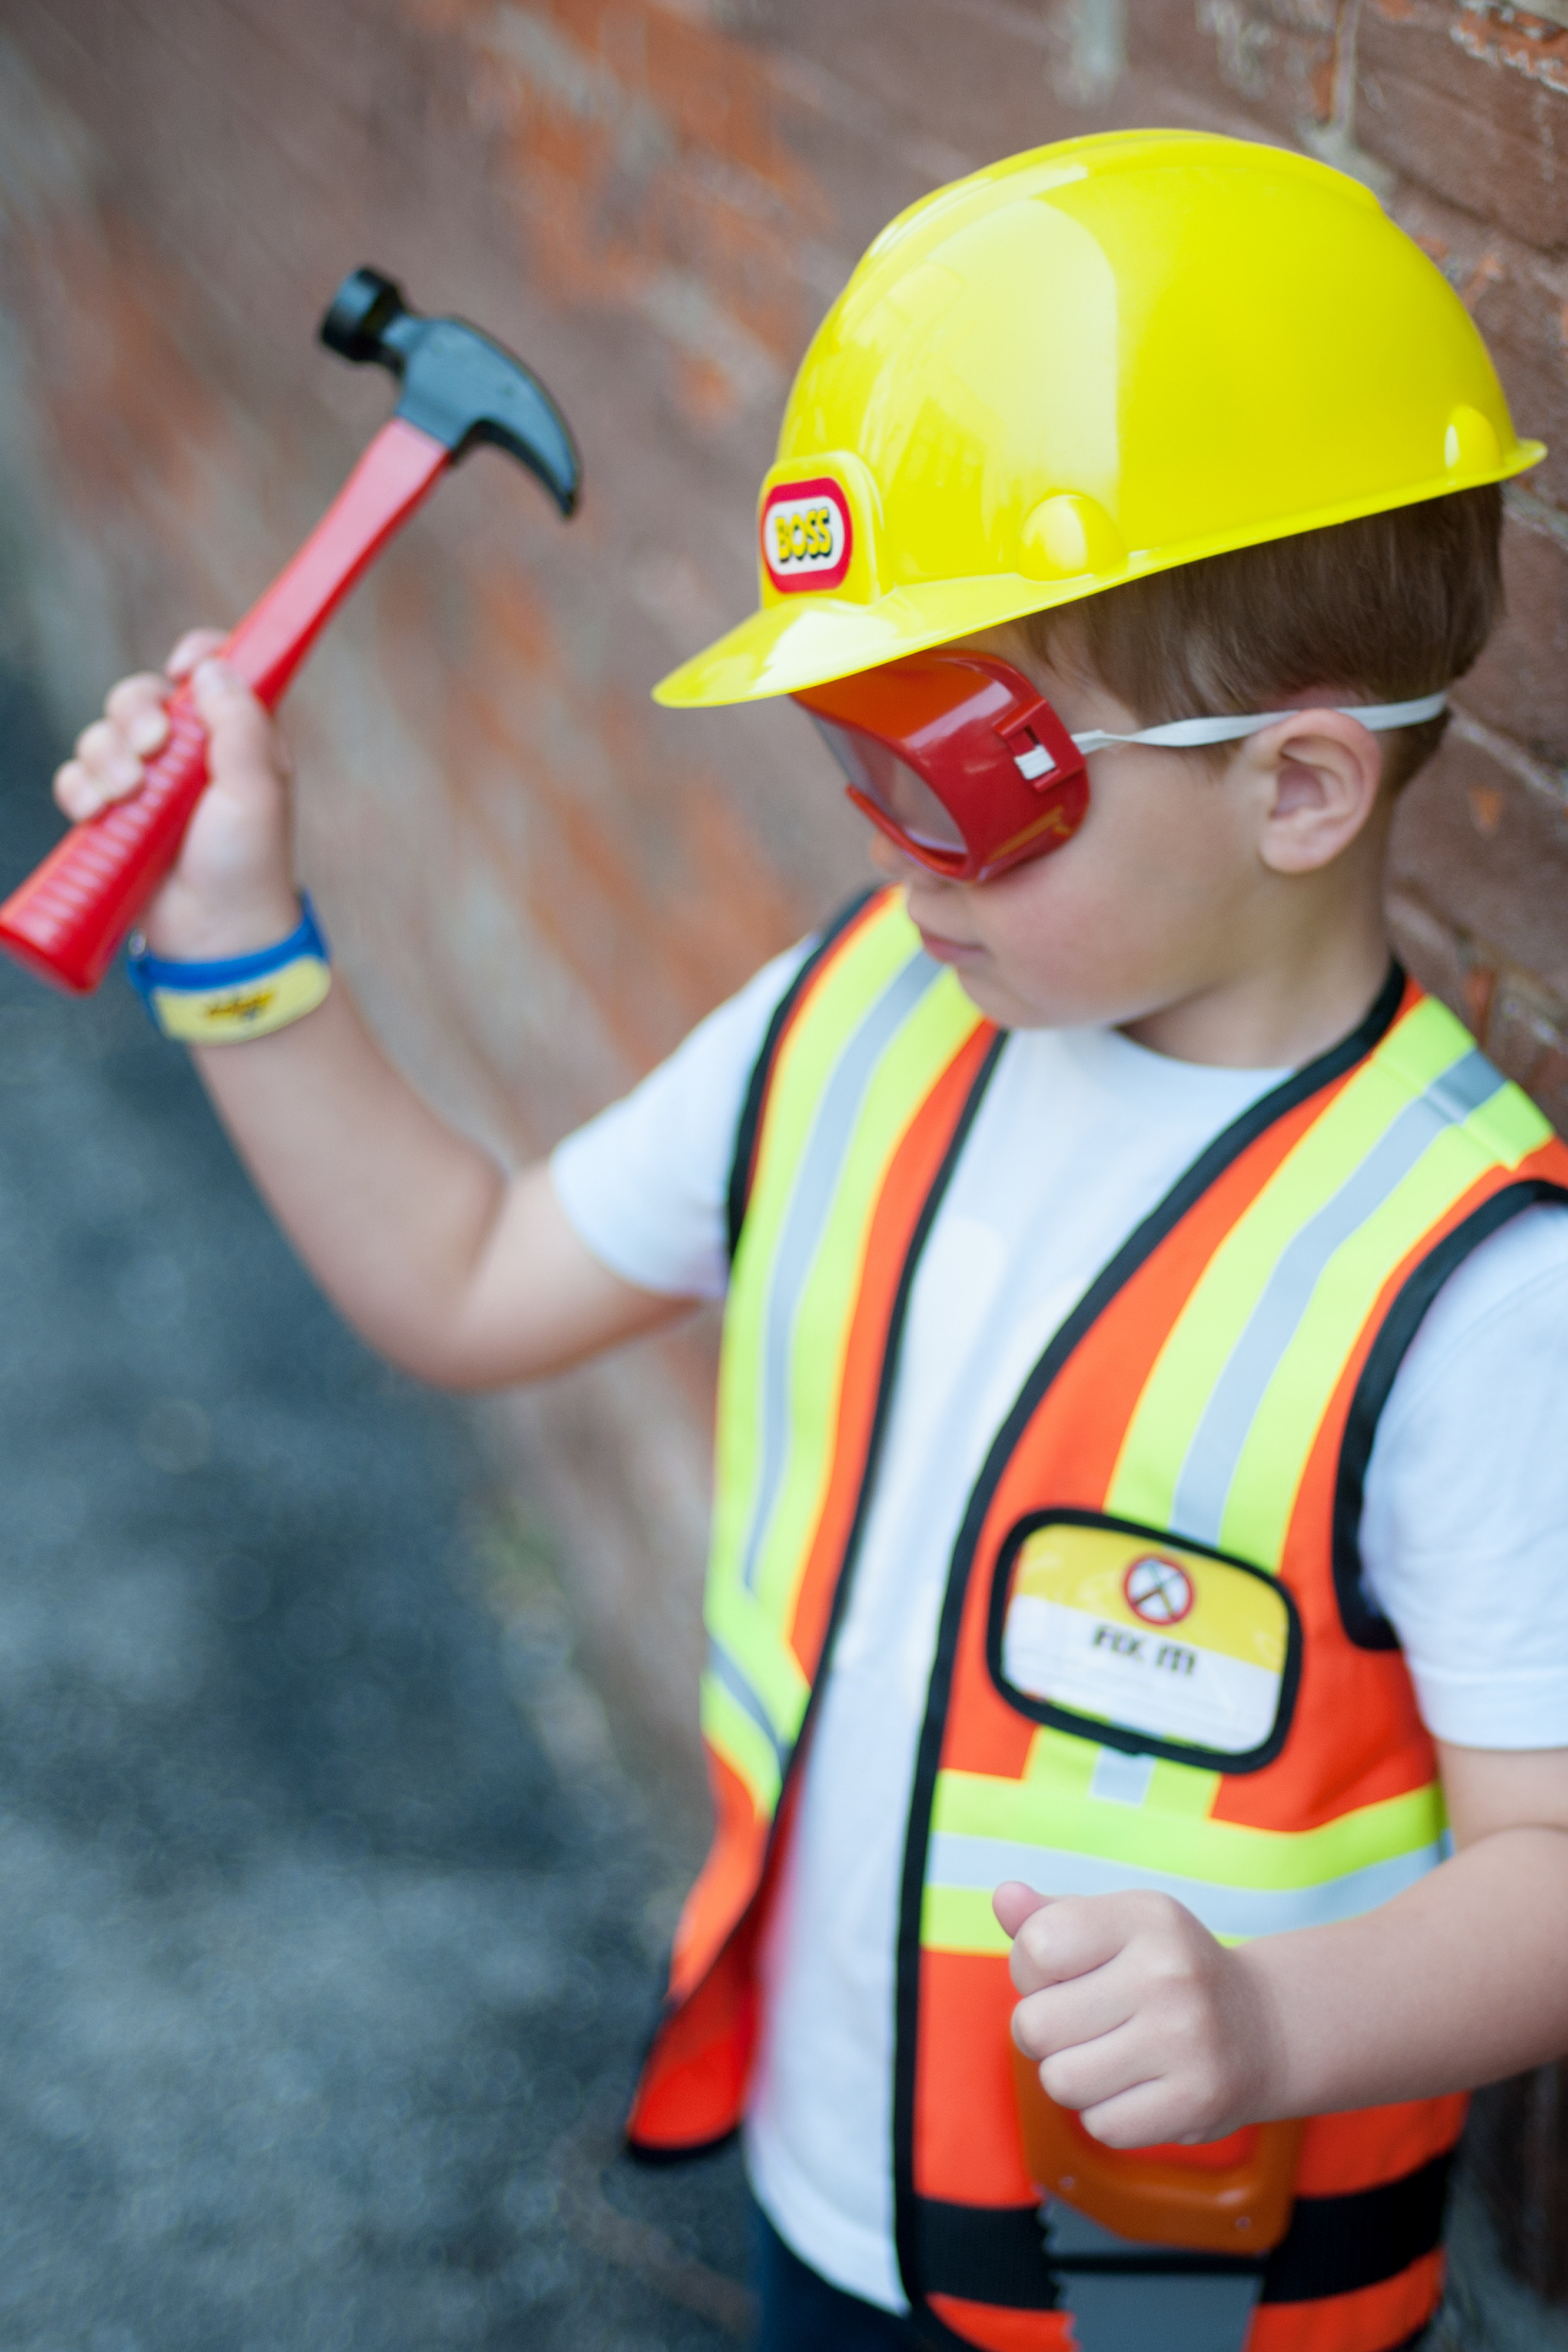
1119, 1779
958, 1860
816, 1185
724, 1669
1198, 1505
1144, 2307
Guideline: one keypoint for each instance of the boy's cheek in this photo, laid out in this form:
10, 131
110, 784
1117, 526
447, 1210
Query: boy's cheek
1071, 948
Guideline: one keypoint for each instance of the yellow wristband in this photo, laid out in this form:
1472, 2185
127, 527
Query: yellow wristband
239, 997
244, 1009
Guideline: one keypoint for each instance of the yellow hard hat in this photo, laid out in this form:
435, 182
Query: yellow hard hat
1089, 363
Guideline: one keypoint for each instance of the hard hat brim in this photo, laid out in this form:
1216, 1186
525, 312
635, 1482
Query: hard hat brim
813, 639
806, 640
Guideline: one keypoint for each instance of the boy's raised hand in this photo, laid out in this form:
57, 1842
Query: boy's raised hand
1140, 2020
232, 887
457, 1270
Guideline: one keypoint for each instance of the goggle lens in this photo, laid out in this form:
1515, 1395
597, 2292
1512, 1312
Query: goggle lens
879, 776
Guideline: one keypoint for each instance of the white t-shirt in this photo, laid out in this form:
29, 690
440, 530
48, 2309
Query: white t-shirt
1079, 1135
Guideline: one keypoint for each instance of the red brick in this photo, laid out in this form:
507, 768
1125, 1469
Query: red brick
1520, 685
1443, 97
1433, 953
1526, 1037
1276, 59
1518, 298
1490, 853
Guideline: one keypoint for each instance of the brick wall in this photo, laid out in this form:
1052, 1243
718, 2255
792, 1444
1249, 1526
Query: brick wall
537, 880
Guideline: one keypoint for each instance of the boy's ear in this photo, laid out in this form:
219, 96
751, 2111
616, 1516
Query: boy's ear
1317, 776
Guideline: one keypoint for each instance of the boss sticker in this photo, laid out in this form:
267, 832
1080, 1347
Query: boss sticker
1157, 1645
808, 537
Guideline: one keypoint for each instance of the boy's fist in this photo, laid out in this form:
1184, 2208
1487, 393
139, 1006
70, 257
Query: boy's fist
1141, 2021
232, 886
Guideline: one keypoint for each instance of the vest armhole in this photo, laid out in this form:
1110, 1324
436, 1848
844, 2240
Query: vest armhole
743, 1157
1364, 1625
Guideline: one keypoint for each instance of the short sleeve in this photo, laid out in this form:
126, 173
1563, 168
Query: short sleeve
644, 1184
1464, 1533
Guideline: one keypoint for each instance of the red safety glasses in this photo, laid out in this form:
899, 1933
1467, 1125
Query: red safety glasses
958, 759
963, 763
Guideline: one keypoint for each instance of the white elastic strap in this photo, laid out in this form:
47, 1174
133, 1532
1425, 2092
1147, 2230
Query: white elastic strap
1184, 734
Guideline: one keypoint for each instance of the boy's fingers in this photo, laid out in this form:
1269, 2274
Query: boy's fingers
77, 795
225, 702
104, 753
1085, 2074
1067, 1938
1142, 2115
1013, 1902
196, 646
1073, 2015
136, 708
240, 732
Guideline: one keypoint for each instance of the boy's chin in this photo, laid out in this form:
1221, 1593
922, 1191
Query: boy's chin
1045, 1007
1001, 1005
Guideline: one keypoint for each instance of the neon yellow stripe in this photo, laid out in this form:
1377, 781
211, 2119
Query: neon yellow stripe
1231, 1853
1269, 1471
746, 1629
959, 1918
922, 1049
1065, 1762
728, 1729
1417, 1050
1510, 1127
860, 970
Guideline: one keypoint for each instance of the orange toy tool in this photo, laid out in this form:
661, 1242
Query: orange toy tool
1229, 2196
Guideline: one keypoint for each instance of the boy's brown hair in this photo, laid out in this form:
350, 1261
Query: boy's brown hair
1380, 610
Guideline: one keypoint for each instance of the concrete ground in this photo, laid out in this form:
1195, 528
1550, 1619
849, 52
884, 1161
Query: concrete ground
328, 1928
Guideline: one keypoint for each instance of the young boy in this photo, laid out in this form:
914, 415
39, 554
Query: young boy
1141, 1510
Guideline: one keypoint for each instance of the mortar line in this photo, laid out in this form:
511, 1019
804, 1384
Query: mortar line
1538, 777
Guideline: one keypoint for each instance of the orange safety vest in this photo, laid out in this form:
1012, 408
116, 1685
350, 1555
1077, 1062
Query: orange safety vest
1156, 1665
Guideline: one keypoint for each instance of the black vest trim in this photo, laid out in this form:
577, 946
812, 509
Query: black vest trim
1337, 2244
743, 1155
986, 2254
892, 1348
1364, 1625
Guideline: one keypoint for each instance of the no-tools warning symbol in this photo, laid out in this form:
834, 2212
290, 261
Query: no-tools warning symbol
1157, 1591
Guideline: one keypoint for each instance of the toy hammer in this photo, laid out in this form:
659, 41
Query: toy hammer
69, 918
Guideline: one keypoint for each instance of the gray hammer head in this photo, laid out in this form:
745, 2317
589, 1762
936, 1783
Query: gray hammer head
457, 385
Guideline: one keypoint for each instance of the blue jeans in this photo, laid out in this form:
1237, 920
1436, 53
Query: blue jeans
799, 2312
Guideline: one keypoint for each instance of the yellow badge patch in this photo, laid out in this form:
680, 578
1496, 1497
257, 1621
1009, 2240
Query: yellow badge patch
1121, 1626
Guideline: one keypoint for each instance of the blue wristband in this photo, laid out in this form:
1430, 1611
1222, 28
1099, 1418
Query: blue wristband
235, 997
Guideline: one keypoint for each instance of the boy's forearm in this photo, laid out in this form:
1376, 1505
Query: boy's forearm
388, 1206
460, 1274
1458, 1981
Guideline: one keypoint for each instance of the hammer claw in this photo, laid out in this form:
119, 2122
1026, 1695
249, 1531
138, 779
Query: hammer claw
457, 384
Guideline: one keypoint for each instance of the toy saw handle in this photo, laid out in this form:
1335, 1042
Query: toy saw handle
67, 920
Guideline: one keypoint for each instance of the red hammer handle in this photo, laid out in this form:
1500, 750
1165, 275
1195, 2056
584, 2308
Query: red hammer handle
67, 920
